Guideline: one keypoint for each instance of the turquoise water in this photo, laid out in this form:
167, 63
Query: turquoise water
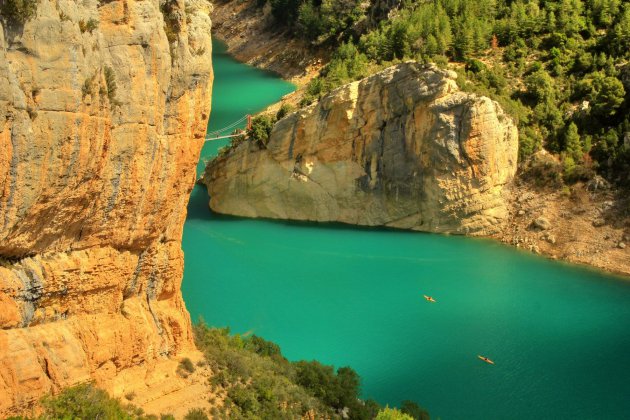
560, 335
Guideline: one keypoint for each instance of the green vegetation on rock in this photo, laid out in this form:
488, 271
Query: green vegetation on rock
392, 414
87, 402
17, 11
196, 414
260, 129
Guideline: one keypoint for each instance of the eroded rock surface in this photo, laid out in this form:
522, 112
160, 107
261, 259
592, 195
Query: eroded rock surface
403, 148
103, 110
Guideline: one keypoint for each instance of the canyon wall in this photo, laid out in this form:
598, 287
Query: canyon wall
403, 148
103, 111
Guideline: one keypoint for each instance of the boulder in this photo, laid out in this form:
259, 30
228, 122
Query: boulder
541, 223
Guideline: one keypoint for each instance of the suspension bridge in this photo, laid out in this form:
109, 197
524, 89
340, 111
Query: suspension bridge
232, 129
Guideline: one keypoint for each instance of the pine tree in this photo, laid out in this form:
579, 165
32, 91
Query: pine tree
573, 145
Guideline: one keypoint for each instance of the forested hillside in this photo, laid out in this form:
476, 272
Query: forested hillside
559, 67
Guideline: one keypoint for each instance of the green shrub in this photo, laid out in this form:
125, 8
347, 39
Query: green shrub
605, 93
529, 143
392, 414
88, 26
196, 414
18, 11
543, 171
568, 167
262, 347
309, 21
348, 64
540, 86
336, 390
171, 22
285, 11
88, 87
475, 66
261, 128
186, 365
414, 410
85, 402
110, 83
573, 144
245, 398
284, 110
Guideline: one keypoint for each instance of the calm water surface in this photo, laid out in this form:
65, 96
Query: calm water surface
560, 335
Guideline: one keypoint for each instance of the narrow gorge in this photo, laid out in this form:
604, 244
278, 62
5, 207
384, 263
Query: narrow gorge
358, 221
104, 106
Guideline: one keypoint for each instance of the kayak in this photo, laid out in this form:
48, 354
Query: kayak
429, 299
485, 359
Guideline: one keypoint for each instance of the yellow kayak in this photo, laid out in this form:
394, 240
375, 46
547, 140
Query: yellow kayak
429, 299
485, 359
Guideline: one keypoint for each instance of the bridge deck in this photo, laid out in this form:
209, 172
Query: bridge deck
222, 137
216, 135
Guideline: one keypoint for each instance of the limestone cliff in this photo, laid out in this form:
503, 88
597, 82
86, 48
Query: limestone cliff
403, 148
103, 110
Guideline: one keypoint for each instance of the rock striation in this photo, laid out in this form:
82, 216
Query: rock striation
103, 111
403, 148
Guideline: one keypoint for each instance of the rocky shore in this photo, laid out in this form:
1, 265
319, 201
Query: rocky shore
583, 224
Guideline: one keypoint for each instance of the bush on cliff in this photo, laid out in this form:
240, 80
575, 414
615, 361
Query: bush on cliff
284, 110
392, 414
86, 402
261, 128
18, 11
187, 365
196, 414
414, 410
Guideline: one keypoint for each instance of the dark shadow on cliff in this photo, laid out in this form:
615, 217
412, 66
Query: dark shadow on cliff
198, 209
198, 204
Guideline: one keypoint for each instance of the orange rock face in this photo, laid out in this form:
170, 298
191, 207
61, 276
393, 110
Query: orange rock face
403, 148
103, 111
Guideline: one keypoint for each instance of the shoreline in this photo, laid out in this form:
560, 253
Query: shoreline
275, 73
246, 31
624, 276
